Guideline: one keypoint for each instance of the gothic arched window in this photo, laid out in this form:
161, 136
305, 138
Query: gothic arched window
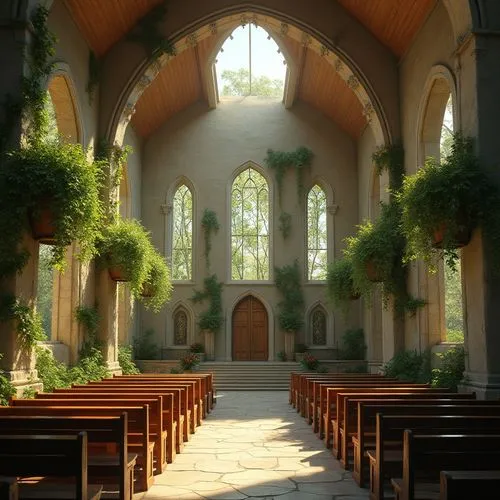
318, 326
181, 326
250, 227
317, 238
182, 234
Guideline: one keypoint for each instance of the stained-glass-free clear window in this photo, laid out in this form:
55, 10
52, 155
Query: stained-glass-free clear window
182, 237
250, 227
318, 326
180, 328
317, 239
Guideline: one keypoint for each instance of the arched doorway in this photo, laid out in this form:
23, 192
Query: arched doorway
250, 330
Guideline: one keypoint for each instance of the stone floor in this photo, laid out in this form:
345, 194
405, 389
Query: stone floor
254, 445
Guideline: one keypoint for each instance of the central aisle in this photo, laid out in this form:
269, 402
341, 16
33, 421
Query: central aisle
254, 445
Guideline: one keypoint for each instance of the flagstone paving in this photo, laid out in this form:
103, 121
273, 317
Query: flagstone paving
254, 445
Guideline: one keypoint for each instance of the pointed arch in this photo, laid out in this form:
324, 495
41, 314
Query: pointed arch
182, 330
317, 233
328, 322
250, 222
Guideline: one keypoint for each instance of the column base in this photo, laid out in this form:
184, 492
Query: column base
485, 385
24, 379
114, 368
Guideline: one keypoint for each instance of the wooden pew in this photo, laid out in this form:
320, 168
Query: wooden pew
179, 402
116, 466
386, 460
138, 430
464, 485
424, 456
364, 438
168, 434
330, 415
156, 432
51, 456
188, 405
9, 489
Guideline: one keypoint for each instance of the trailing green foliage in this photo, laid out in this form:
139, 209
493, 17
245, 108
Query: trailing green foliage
281, 161
147, 32
391, 158
158, 283
411, 366
353, 345
288, 282
7, 390
210, 226
29, 392
285, 224
451, 370
340, 283
28, 322
145, 347
453, 196
212, 318
49, 175
126, 361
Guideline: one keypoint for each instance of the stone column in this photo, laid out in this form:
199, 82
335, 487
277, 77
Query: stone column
14, 35
480, 84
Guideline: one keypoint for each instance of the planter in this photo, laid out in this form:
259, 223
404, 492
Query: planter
461, 238
372, 272
42, 224
117, 273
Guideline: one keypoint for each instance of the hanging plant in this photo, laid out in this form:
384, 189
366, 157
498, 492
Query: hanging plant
56, 177
210, 225
288, 283
211, 319
444, 201
285, 224
158, 284
391, 159
281, 161
340, 283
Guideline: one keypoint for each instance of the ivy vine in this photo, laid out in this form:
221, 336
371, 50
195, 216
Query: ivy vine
147, 33
212, 318
285, 224
288, 283
281, 161
210, 225
391, 158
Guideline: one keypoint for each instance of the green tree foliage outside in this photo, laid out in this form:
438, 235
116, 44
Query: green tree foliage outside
237, 83
45, 288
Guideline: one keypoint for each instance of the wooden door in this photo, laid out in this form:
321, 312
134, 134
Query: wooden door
250, 331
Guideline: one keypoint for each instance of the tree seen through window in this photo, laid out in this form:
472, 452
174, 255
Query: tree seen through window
250, 227
182, 240
316, 234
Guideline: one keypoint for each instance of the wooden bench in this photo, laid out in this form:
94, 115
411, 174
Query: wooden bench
187, 403
138, 442
364, 437
179, 395
464, 485
386, 460
56, 456
114, 465
330, 414
424, 456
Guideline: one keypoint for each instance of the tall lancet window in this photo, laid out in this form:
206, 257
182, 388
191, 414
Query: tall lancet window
182, 237
250, 227
317, 237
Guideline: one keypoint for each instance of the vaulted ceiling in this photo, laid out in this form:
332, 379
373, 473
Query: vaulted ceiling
180, 83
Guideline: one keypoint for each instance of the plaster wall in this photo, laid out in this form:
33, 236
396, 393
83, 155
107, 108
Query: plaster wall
133, 172
207, 147
434, 45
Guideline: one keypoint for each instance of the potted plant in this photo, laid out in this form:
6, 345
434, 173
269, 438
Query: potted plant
189, 362
444, 201
199, 349
157, 288
375, 252
300, 350
340, 284
126, 251
52, 185
310, 363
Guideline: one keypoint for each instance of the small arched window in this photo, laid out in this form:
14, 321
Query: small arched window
182, 234
181, 327
318, 326
250, 227
317, 237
